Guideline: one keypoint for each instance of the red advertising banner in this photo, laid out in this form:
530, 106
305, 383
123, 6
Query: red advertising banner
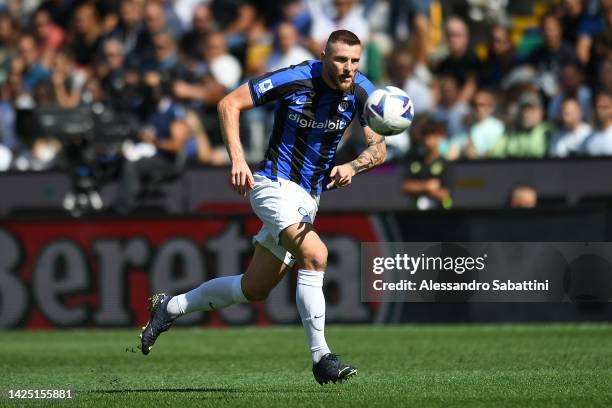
67, 273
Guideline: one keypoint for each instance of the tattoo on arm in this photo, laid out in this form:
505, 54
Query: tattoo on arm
373, 155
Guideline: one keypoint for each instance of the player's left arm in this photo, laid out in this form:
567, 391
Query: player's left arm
372, 156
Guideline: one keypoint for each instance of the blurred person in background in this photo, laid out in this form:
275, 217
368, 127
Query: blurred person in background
528, 138
461, 62
249, 38
550, 56
61, 10
402, 75
568, 138
158, 155
45, 148
427, 181
192, 42
130, 30
591, 26
288, 50
85, 35
486, 130
501, 58
28, 65
67, 80
222, 74
49, 36
415, 14
9, 44
599, 143
344, 14
571, 81
572, 13
523, 197
605, 76
296, 12
120, 79
451, 109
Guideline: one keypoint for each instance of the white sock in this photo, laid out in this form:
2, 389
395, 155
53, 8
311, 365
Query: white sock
211, 295
311, 306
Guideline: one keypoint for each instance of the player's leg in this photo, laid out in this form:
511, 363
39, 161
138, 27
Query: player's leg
311, 255
263, 273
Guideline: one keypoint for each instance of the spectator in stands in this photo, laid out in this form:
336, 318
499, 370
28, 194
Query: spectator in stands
164, 136
451, 109
67, 80
28, 65
61, 10
573, 12
49, 36
529, 136
487, 130
222, 74
567, 140
120, 78
523, 197
345, 14
402, 74
501, 58
461, 63
416, 12
427, 181
192, 42
130, 30
250, 33
9, 44
549, 57
45, 148
605, 76
599, 143
296, 13
571, 85
591, 26
86, 34
288, 50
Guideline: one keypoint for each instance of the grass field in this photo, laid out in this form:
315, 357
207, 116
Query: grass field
461, 366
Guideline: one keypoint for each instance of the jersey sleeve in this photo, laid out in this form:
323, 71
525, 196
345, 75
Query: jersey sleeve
275, 85
363, 89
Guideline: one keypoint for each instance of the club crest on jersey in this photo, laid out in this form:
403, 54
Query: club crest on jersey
265, 86
343, 106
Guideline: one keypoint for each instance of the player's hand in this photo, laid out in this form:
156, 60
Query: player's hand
242, 178
433, 185
341, 176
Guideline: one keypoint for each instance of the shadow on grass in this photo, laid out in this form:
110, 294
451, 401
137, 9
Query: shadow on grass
171, 390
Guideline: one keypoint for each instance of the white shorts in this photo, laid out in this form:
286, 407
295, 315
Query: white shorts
279, 204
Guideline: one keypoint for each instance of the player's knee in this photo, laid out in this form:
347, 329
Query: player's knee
315, 257
254, 292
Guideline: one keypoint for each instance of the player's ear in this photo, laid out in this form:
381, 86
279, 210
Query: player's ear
322, 55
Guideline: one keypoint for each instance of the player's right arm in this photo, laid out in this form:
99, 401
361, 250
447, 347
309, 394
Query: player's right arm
229, 116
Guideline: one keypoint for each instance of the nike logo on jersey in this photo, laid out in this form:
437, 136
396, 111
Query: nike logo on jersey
301, 102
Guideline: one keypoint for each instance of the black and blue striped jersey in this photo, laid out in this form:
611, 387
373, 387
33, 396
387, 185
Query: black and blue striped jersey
309, 120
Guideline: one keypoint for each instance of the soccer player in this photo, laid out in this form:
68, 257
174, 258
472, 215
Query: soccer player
315, 103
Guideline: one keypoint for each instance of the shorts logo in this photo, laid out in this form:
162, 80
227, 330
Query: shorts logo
303, 211
343, 106
265, 86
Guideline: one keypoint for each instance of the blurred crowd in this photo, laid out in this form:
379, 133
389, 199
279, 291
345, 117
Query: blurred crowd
492, 79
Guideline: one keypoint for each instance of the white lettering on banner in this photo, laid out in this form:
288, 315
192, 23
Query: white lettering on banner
114, 260
228, 249
64, 268
178, 267
61, 270
13, 294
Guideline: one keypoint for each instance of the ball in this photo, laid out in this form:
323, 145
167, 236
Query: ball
388, 111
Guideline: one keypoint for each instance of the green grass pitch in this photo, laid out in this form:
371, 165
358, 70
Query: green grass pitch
412, 366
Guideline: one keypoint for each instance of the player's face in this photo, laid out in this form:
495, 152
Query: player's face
340, 65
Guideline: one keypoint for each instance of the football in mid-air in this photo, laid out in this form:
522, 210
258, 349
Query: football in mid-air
388, 111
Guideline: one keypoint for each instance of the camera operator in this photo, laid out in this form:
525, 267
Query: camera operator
158, 154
